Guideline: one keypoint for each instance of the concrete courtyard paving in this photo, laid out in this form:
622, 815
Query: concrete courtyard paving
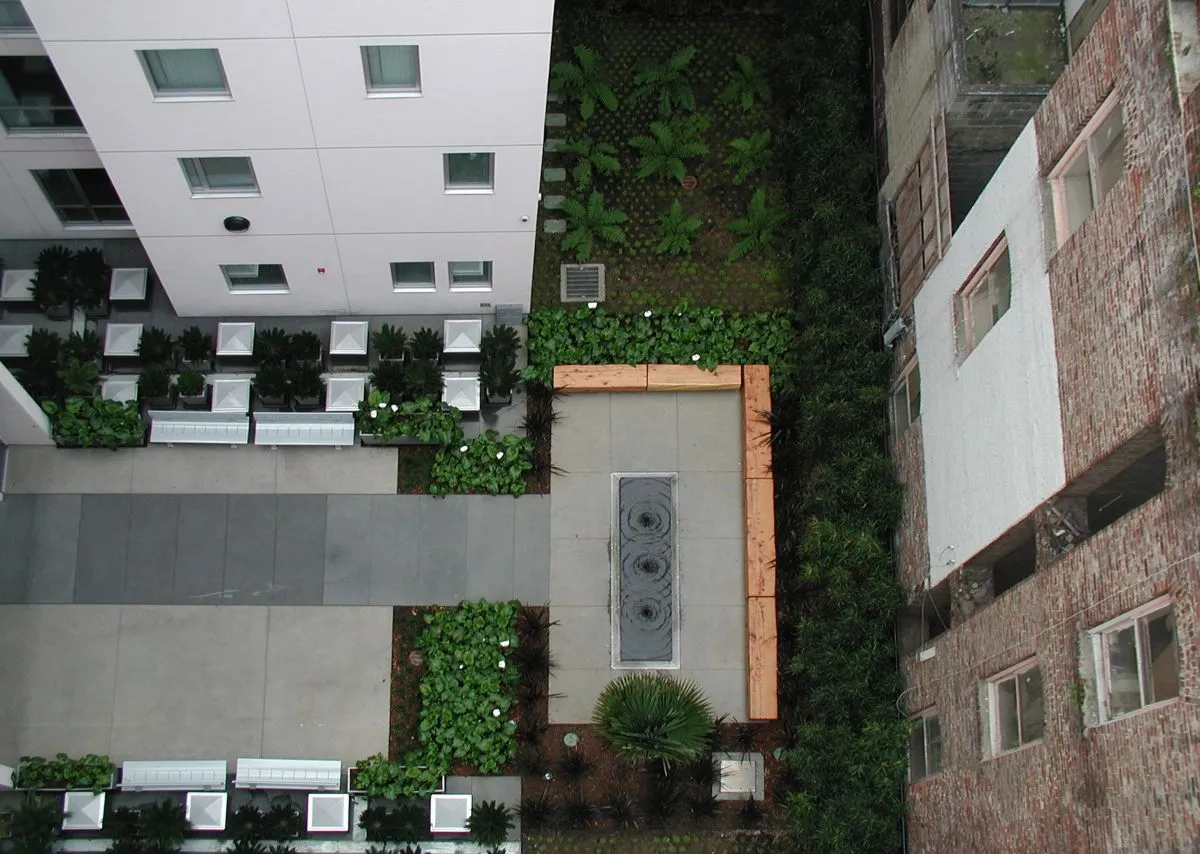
697, 435
168, 682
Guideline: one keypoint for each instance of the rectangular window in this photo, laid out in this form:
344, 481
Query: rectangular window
925, 747
33, 99
1014, 704
471, 172
470, 275
412, 276
258, 278
392, 69
906, 400
82, 196
984, 299
214, 176
1091, 167
185, 72
13, 18
1137, 660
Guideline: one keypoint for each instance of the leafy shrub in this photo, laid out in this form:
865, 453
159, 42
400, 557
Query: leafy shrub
422, 378
584, 336
91, 771
156, 347
749, 155
499, 340
83, 346
585, 83
304, 345
489, 823
677, 231
488, 463
389, 342
163, 826
79, 378
654, 717
388, 377
590, 224
153, 382
35, 825
666, 83
380, 777
190, 383
90, 422
51, 285
747, 85
426, 344
668, 145
591, 159
282, 821
272, 346
758, 229
426, 420
196, 345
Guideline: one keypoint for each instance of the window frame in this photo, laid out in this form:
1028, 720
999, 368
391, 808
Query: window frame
88, 204
222, 94
471, 287
903, 383
18, 31
469, 189
420, 288
386, 90
921, 721
61, 98
209, 192
1137, 618
992, 690
258, 288
1082, 147
965, 339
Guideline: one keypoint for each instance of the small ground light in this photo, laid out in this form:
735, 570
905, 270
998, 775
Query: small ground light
570, 739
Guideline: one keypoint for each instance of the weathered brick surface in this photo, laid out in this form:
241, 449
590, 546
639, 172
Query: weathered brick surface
913, 557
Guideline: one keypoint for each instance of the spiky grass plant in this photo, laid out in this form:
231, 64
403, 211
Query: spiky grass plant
649, 716
578, 814
573, 766
535, 813
622, 809
489, 823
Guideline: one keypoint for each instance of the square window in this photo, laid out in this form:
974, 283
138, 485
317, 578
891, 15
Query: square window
184, 72
209, 176
257, 278
984, 299
470, 275
392, 68
13, 18
412, 276
1137, 660
469, 171
1091, 167
33, 99
925, 747
1014, 708
82, 196
906, 400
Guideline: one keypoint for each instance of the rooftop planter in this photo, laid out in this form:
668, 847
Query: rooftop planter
425, 421
390, 343
51, 286
83, 422
304, 385
62, 773
196, 348
192, 389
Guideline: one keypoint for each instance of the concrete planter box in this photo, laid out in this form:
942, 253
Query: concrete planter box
369, 440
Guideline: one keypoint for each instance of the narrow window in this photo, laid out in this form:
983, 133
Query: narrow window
1091, 167
1015, 712
412, 276
214, 176
925, 747
13, 18
257, 278
1137, 659
471, 172
906, 400
392, 69
984, 299
470, 275
186, 72
82, 196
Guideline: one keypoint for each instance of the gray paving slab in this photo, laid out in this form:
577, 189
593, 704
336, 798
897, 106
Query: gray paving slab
716, 637
348, 550
581, 506
582, 441
204, 469
395, 550
582, 572
554, 226
250, 549
200, 550
16, 531
491, 547
299, 577
644, 433
103, 547
53, 548
554, 176
35, 468
531, 549
710, 425
443, 549
153, 542
711, 571
341, 471
710, 505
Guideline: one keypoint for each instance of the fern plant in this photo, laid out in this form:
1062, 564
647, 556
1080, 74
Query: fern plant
677, 231
668, 145
749, 155
592, 159
585, 82
747, 85
757, 229
667, 83
590, 224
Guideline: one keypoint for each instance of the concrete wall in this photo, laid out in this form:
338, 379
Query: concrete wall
991, 424
22, 421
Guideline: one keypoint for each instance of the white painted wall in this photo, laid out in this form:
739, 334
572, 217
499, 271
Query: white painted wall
22, 421
992, 426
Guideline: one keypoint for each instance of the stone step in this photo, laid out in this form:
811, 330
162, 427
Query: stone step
554, 226
556, 120
553, 145
554, 98
553, 203
554, 176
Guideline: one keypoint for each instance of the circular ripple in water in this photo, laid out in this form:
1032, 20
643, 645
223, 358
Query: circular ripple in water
645, 629
647, 566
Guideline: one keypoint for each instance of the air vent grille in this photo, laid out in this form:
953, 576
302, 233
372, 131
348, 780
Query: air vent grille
582, 283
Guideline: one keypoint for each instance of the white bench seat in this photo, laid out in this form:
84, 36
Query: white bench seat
311, 774
304, 428
198, 428
174, 775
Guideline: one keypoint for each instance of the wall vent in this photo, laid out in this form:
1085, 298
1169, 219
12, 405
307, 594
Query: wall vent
582, 283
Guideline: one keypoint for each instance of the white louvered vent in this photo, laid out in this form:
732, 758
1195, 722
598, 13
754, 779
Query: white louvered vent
583, 283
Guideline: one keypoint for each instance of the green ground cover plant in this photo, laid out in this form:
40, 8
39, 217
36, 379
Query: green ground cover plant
92, 771
89, 422
424, 420
489, 463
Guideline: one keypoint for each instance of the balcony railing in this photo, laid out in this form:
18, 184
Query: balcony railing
40, 118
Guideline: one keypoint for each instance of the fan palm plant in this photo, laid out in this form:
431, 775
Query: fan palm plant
423, 379
51, 284
156, 347
667, 83
664, 150
282, 821
44, 348
501, 338
79, 379
747, 85
757, 229
389, 377
271, 346
592, 159
196, 345
390, 342
749, 155
35, 825
426, 344
164, 825
585, 82
304, 345
677, 231
84, 346
90, 280
489, 823
651, 716
590, 224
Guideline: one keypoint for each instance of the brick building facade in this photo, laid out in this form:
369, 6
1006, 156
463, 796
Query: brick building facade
1112, 520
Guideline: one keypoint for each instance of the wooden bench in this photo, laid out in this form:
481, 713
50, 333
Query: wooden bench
170, 427
174, 775
693, 378
601, 378
762, 659
304, 428
756, 430
312, 774
760, 537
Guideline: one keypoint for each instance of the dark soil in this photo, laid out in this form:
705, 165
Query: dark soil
405, 707
414, 468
